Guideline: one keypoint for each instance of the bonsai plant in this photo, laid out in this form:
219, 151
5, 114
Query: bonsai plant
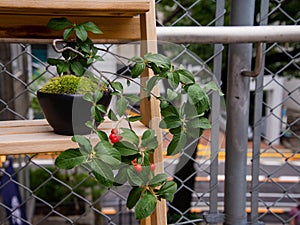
61, 98
122, 156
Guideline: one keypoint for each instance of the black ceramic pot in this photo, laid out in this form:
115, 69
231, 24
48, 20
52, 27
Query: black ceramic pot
67, 114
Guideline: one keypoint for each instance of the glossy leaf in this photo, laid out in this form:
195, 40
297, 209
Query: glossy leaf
90, 26
112, 116
84, 143
126, 148
145, 206
133, 197
158, 180
68, 33
170, 122
121, 105
137, 69
81, 32
102, 135
177, 144
130, 136
77, 68
168, 190
134, 118
102, 169
149, 139
158, 59
70, 158
58, 23
134, 178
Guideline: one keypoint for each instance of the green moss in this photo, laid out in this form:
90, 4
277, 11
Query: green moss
69, 84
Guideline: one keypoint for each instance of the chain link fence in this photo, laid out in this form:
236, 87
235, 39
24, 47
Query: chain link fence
53, 196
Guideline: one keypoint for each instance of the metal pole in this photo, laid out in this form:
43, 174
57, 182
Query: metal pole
239, 59
264, 8
229, 34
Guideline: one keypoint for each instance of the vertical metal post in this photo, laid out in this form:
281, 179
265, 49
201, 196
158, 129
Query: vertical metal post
264, 8
215, 114
239, 59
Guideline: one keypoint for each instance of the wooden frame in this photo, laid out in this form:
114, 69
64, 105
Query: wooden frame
121, 21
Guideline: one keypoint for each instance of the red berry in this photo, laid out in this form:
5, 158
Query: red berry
120, 137
134, 161
138, 168
152, 166
114, 140
112, 135
114, 131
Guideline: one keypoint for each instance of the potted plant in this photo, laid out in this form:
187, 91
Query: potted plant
123, 156
62, 97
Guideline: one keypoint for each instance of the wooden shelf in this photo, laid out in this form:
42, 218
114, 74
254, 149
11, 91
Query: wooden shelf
118, 19
121, 21
36, 136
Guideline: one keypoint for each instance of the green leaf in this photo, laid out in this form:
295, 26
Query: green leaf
134, 118
70, 158
152, 82
126, 148
136, 59
67, 33
58, 23
170, 122
121, 106
102, 180
98, 58
90, 26
158, 180
133, 98
77, 68
62, 67
133, 197
88, 97
145, 206
81, 32
212, 86
171, 94
102, 169
149, 139
201, 122
134, 178
105, 148
177, 144
173, 79
101, 108
197, 94
54, 62
158, 59
96, 114
168, 190
112, 116
102, 135
130, 136
98, 95
121, 177
83, 142
117, 86
137, 69
186, 77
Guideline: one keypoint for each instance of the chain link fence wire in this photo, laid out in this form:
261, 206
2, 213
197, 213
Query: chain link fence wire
53, 196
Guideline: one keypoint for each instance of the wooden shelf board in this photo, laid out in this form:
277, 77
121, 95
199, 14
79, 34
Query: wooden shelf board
25, 20
75, 7
36, 136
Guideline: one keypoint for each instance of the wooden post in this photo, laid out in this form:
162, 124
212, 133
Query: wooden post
150, 109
